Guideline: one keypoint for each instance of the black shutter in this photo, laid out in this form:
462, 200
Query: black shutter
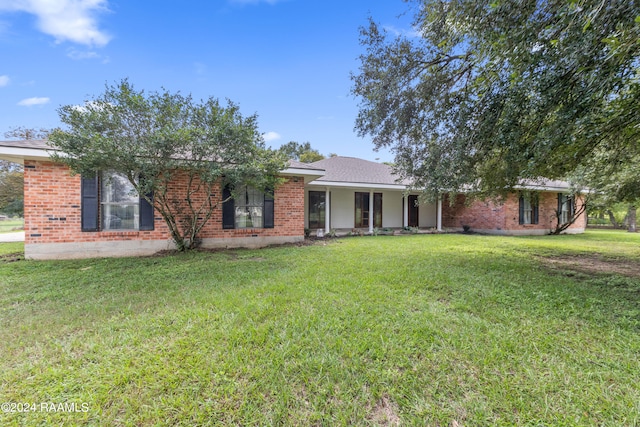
269, 216
534, 213
559, 207
572, 207
228, 209
146, 213
521, 209
89, 203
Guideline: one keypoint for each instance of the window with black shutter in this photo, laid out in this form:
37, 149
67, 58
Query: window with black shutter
110, 202
89, 204
269, 219
566, 207
528, 209
250, 209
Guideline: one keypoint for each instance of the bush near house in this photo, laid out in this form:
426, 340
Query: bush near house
414, 330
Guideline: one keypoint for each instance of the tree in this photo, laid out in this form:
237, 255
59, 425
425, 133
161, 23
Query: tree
614, 175
301, 152
12, 175
492, 93
576, 204
159, 138
24, 133
11, 189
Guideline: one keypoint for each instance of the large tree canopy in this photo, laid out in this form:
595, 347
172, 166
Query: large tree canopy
157, 138
11, 189
301, 152
487, 93
12, 175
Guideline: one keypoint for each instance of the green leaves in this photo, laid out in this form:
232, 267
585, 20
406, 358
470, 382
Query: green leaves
495, 93
301, 152
164, 137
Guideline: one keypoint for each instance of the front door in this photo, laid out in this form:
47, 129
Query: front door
413, 211
317, 209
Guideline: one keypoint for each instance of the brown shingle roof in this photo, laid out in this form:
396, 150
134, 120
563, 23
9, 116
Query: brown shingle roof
351, 169
40, 144
299, 165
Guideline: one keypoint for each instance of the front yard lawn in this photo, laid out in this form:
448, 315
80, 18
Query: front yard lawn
434, 330
11, 225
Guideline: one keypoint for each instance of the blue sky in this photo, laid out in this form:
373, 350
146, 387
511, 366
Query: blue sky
289, 61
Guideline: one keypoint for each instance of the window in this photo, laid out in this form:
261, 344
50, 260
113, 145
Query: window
414, 211
250, 209
362, 214
110, 202
377, 210
362, 210
120, 203
529, 209
565, 208
317, 209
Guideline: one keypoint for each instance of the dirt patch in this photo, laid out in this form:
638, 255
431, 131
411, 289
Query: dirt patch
593, 264
385, 413
18, 256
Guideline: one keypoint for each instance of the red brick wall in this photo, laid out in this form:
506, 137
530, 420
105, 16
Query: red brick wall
479, 215
52, 210
497, 216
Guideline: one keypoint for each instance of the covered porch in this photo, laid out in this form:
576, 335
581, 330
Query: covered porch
346, 207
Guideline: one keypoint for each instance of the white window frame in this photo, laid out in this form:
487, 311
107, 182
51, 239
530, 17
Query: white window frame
249, 209
566, 209
123, 215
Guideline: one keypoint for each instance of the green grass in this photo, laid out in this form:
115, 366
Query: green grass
415, 329
11, 225
11, 248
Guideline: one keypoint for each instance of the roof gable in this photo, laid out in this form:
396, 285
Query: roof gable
354, 170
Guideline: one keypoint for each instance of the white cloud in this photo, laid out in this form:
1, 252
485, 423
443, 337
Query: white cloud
271, 136
4, 80
90, 106
66, 20
79, 54
413, 33
30, 102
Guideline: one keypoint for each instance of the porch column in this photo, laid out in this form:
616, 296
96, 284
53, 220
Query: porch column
439, 214
371, 212
405, 213
327, 211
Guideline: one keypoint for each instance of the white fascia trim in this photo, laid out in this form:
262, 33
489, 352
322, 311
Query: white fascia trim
19, 155
398, 187
542, 188
301, 172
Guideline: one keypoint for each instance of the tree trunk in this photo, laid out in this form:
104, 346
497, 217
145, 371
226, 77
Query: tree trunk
612, 219
632, 219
